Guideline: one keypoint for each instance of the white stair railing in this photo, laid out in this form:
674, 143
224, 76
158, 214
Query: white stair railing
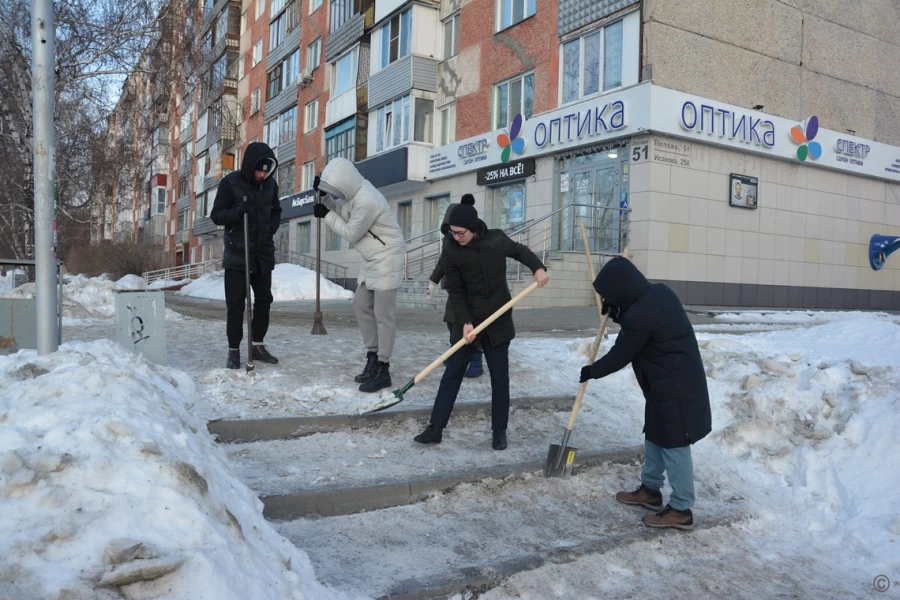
181, 274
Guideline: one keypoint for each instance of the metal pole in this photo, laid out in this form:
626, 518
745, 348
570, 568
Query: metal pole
318, 326
43, 84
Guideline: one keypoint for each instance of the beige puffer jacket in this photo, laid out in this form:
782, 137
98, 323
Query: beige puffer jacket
365, 219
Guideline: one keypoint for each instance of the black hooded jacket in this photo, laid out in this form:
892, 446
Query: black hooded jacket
233, 188
476, 281
658, 340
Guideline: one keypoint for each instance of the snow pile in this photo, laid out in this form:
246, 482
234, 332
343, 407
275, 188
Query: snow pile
8, 281
289, 282
109, 480
796, 316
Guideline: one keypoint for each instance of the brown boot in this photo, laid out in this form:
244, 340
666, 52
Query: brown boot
643, 496
669, 517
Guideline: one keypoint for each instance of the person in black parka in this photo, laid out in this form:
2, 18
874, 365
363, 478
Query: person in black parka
254, 192
658, 340
474, 259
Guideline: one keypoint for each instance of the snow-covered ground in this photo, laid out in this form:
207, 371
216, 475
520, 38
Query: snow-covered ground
289, 282
97, 446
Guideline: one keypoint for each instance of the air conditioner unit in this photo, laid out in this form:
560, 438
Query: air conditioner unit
305, 75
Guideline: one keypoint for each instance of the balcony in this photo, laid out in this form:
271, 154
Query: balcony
161, 93
183, 236
346, 35
183, 203
281, 102
397, 171
185, 168
279, 52
205, 226
401, 76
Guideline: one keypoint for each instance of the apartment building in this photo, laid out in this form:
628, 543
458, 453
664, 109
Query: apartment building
746, 153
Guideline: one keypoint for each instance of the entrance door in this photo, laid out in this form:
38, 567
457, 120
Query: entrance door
595, 193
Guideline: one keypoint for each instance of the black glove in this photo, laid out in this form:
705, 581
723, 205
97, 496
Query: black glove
320, 210
246, 208
585, 374
316, 181
604, 306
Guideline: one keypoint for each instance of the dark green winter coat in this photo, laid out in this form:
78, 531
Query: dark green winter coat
476, 281
233, 188
658, 340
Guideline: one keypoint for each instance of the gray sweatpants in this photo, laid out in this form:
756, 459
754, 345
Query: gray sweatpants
375, 314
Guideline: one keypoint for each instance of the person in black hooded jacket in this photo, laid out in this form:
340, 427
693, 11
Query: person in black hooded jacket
658, 340
474, 259
254, 192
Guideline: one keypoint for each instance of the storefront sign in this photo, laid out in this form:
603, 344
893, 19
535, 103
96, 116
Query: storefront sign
298, 205
504, 172
743, 191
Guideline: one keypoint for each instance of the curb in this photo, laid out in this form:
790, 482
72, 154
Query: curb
330, 502
285, 428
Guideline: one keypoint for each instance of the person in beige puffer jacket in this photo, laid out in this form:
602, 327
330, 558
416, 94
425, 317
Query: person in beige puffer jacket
354, 209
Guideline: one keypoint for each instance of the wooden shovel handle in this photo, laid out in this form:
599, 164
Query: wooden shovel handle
440, 359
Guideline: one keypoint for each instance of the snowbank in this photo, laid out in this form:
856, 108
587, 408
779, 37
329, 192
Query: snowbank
289, 282
796, 316
109, 477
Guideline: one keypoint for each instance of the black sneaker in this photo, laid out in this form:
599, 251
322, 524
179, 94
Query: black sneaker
261, 354
379, 380
432, 435
369, 369
234, 359
499, 441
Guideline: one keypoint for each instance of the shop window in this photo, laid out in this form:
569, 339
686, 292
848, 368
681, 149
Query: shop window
404, 218
434, 216
396, 36
332, 239
451, 36
511, 98
509, 205
303, 237
510, 12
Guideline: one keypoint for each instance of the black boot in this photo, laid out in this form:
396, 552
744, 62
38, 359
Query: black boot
234, 359
499, 442
369, 369
432, 435
379, 380
261, 354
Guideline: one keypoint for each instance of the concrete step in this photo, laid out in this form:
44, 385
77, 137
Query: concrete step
254, 430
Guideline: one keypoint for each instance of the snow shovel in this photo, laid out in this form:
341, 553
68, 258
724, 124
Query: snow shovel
561, 458
398, 394
250, 366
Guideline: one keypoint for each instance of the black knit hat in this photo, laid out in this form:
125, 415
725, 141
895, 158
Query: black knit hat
464, 215
264, 165
468, 199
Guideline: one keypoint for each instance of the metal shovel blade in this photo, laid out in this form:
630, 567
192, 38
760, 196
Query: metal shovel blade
554, 467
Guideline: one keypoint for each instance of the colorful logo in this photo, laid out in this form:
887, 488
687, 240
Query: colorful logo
804, 139
512, 142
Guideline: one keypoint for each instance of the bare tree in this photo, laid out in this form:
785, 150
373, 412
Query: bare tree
98, 43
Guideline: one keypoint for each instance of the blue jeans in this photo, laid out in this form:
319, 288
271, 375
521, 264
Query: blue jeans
678, 465
498, 362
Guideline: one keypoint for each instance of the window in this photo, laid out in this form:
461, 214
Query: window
291, 71
202, 123
271, 133
285, 176
260, 8
509, 205
276, 6
200, 205
340, 140
257, 52
221, 27
202, 171
404, 218
451, 36
303, 237
423, 126
275, 81
313, 5
187, 117
341, 11
254, 101
510, 12
395, 37
434, 215
288, 125
392, 122
308, 175
182, 219
156, 136
585, 66
283, 25
448, 125
184, 186
160, 201
311, 120
344, 73
332, 239
314, 54
513, 97
243, 22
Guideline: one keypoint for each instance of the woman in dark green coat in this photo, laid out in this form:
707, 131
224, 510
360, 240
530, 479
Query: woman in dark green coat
474, 260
